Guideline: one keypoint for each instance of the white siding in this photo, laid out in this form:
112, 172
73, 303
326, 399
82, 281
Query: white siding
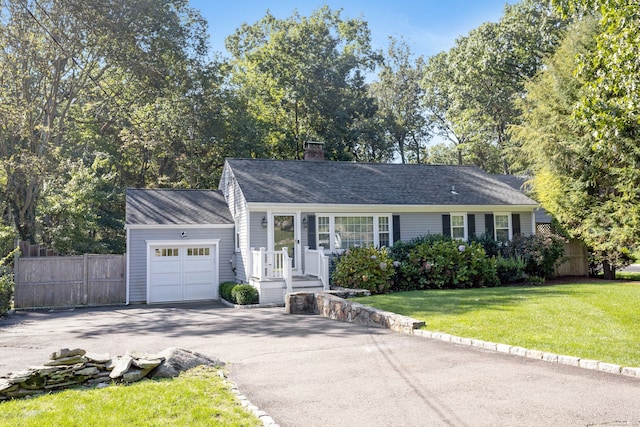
138, 254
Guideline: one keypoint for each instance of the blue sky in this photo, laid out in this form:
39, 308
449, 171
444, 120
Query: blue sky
429, 26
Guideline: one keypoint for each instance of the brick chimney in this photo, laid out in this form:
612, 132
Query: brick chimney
314, 151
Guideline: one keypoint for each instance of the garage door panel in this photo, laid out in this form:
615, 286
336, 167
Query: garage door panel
166, 293
197, 277
162, 266
198, 265
182, 272
199, 291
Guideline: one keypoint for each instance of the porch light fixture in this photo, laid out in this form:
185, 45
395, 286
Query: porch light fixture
264, 222
304, 222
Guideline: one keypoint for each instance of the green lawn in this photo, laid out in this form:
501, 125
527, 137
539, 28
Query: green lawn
598, 320
196, 398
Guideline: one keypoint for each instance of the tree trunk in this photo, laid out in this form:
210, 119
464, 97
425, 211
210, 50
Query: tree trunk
609, 271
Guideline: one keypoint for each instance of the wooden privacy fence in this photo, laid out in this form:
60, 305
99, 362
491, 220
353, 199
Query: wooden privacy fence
70, 281
576, 260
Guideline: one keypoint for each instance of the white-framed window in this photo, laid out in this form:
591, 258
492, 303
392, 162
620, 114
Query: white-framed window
383, 231
344, 231
324, 231
459, 226
502, 226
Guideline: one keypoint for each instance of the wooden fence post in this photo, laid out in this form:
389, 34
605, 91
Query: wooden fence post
85, 279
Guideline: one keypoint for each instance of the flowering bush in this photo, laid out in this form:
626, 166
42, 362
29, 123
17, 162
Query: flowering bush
447, 264
364, 268
541, 252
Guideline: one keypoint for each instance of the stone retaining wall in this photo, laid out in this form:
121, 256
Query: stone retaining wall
332, 306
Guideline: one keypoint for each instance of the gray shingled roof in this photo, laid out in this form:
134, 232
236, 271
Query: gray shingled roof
169, 206
305, 182
542, 217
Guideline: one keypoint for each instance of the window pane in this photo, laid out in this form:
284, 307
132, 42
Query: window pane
457, 220
458, 232
502, 235
353, 231
323, 231
502, 221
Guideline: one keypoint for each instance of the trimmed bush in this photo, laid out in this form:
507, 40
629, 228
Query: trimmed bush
447, 264
225, 290
510, 270
237, 293
364, 268
244, 294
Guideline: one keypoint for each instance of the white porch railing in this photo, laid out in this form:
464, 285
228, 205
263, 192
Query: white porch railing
272, 265
316, 263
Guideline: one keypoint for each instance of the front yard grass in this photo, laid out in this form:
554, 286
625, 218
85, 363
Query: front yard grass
597, 320
196, 398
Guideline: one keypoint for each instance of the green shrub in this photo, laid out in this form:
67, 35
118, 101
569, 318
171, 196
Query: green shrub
541, 252
447, 264
364, 268
225, 291
536, 280
237, 293
491, 246
7, 284
6, 289
510, 270
400, 250
244, 294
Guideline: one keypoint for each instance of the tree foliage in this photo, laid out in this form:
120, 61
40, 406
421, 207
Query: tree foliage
472, 89
587, 183
302, 78
62, 58
398, 93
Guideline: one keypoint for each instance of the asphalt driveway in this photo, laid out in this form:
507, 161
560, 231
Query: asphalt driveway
312, 371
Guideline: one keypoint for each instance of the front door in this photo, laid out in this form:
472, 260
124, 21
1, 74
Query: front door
285, 235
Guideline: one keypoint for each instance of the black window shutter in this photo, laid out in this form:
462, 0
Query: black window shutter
446, 225
471, 225
396, 228
311, 230
515, 223
488, 225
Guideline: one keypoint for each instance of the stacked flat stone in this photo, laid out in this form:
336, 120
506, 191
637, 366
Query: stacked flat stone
68, 368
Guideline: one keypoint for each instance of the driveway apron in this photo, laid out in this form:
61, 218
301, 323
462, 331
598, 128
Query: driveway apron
312, 371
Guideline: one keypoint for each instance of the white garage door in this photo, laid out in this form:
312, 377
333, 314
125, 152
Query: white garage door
182, 273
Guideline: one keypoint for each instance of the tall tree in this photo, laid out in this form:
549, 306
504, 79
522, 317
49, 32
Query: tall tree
463, 140
398, 93
594, 196
54, 53
303, 78
488, 69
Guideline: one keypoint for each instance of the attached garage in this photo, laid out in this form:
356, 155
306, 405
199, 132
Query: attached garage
180, 245
182, 272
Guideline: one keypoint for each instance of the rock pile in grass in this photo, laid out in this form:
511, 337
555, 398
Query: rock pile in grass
69, 368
